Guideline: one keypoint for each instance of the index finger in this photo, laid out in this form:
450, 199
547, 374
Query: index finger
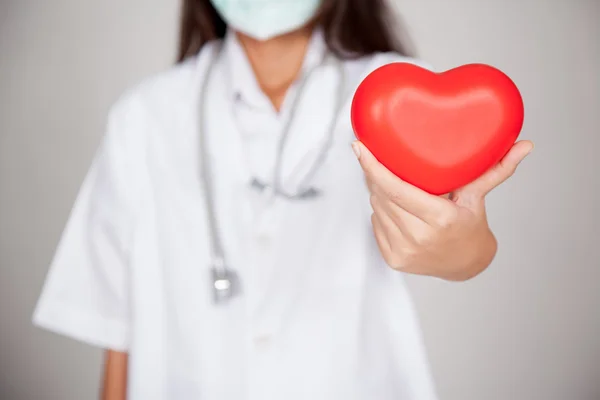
421, 204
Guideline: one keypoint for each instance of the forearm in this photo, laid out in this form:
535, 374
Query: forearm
114, 385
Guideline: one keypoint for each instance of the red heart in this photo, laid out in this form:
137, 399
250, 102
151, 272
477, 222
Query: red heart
437, 131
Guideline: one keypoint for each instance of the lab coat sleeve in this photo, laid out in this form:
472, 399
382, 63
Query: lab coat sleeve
86, 292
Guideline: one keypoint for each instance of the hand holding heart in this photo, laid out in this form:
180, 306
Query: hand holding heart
431, 134
420, 233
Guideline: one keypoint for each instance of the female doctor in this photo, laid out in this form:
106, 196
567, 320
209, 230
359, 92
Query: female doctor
226, 242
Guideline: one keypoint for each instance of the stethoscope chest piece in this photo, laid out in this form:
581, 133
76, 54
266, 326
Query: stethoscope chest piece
225, 282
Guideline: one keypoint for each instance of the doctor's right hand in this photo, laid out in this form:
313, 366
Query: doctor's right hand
424, 234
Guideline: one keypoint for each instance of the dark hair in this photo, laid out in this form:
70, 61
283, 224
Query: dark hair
352, 28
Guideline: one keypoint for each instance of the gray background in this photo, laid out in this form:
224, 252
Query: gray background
528, 328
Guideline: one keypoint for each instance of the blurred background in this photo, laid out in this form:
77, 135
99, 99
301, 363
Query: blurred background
528, 328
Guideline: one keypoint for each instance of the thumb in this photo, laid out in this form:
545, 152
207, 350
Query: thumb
498, 173
367, 160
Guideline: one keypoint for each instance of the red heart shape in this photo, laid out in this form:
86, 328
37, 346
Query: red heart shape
437, 131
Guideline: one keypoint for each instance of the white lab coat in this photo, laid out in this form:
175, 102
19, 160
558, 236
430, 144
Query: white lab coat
320, 315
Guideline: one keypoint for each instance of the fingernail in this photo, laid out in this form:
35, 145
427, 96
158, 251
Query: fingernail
356, 149
525, 156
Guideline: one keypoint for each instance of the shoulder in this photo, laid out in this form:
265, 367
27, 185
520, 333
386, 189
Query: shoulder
358, 69
163, 97
361, 67
381, 59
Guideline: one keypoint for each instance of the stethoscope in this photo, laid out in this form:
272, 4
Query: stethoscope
224, 280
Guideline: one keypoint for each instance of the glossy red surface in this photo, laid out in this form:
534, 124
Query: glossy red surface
437, 131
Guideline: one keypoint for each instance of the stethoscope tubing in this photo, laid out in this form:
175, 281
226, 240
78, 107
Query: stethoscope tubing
224, 280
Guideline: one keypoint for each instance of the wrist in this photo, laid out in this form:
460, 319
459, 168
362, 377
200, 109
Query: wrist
482, 252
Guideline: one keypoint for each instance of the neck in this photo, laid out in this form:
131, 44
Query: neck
276, 62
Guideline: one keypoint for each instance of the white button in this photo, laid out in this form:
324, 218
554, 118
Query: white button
262, 239
261, 342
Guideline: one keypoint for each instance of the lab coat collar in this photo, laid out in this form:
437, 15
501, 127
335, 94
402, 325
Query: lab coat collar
242, 82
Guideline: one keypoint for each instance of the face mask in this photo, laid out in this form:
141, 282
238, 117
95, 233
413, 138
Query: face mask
265, 19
